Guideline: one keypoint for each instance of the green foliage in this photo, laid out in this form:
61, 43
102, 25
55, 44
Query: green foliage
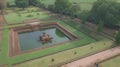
58, 32
52, 60
51, 7
34, 2
107, 11
1, 7
30, 15
37, 13
100, 26
74, 10
62, 6
118, 37
22, 3
83, 16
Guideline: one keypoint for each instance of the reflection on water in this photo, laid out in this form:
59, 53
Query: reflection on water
30, 40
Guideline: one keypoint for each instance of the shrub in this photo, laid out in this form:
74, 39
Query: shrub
52, 59
37, 13
30, 15
75, 52
19, 15
118, 37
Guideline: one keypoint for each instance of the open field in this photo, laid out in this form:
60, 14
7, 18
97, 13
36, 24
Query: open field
114, 62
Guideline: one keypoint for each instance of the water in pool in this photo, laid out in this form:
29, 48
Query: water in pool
30, 40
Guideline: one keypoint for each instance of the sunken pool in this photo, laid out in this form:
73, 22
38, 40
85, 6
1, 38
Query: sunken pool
30, 40
31, 37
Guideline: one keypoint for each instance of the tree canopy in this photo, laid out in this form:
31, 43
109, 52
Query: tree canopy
34, 2
106, 10
62, 6
22, 3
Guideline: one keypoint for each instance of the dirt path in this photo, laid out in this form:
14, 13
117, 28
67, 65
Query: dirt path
88, 61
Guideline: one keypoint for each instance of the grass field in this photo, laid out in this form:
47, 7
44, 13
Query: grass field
16, 15
66, 55
114, 62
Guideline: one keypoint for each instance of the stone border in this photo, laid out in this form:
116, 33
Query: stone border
14, 42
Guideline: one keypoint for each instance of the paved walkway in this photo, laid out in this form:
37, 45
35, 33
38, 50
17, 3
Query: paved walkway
86, 62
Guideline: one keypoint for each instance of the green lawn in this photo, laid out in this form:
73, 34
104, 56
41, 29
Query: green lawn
4, 47
114, 62
18, 16
67, 55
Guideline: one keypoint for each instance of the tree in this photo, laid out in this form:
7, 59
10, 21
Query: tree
83, 16
118, 37
100, 26
42, 5
106, 10
51, 7
74, 11
34, 2
22, 3
62, 6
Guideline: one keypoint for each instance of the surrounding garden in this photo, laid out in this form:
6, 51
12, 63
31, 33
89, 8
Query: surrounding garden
91, 41
65, 56
98, 46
